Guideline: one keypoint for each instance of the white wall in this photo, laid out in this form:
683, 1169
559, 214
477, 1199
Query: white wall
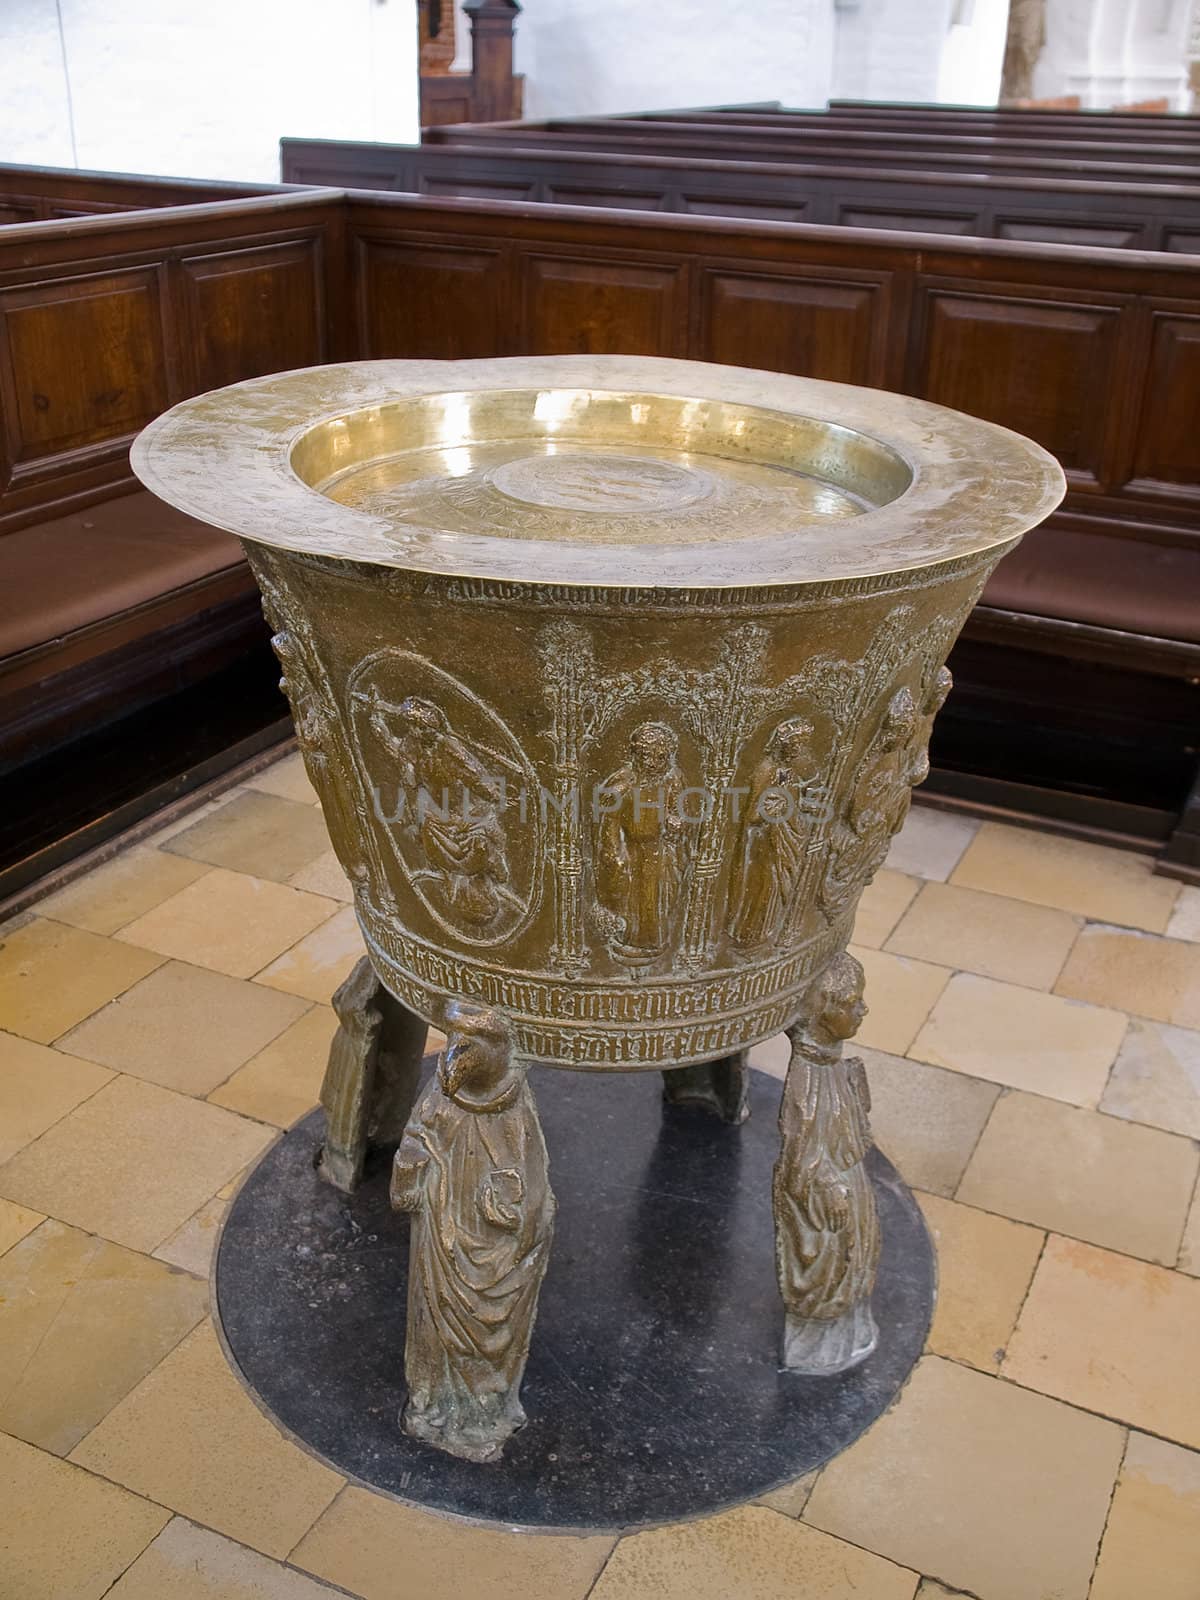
631, 55
201, 88
1111, 52
973, 56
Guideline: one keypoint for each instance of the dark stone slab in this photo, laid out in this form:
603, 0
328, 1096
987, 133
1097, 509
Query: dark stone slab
653, 1388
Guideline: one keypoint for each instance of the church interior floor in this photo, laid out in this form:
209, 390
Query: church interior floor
1033, 1046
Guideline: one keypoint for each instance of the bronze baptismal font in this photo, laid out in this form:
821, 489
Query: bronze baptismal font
614, 676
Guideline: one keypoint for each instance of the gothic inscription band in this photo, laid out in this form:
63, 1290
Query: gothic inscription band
614, 676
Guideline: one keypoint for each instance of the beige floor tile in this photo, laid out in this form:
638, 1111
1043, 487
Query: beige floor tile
133, 1163
931, 1589
38, 1086
1185, 918
899, 995
926, 1120
229, 922
192, 1246
52, 976
1022, 1038
1138, 972
190, 1435
363, 1542
1156, 1078
324, 876
751, 1553
985, 1266
1113, 1335
126, 887
1114, 1183
316, 965
281, 1084
883, 903
986, 933
15, 1223
931, 843
254, 833
1089, 879
184, 1027
287, 779
790, 1498
994, 1489
1189, 1249
1152, 1542
84, 1320
190, 1563
65, 1535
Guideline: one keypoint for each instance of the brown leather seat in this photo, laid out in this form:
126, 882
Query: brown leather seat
78, 571
1129, 584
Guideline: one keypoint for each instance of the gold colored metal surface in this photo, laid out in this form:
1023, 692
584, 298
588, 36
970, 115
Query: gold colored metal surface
668, 637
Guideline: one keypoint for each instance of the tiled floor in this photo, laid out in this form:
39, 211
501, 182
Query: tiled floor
1035, 1065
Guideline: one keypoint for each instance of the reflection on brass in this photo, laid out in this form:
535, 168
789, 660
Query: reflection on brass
614, 674
826, 1228
372, 1076
472, 1170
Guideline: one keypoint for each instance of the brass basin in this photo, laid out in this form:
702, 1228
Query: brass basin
566, 584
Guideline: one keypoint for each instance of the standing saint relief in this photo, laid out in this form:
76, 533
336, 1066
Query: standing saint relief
781, 813
640, 846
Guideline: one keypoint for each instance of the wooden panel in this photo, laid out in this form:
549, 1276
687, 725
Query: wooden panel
1185, 240
252, 311
430, 299
480, 188
1043, 366
763, 210
82, 366
907, 220
580, 305
1059, 230
582, 194
817, 327
1167, 442
13, 211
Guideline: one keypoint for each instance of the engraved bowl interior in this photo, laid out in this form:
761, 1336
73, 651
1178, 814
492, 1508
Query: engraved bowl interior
595, 465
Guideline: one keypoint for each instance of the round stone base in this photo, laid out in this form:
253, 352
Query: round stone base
654, 1388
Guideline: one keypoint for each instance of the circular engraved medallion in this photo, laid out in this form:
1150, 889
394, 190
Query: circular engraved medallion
598, 481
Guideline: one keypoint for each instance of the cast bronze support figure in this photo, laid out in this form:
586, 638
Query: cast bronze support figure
371, 1080
722, 1087
472, 1169
826, 1227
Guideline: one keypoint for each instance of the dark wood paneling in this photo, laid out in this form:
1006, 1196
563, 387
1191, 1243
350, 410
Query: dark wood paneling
578, 303
431, 298
83, 367
1032, 364
1166, 449
906, 220
817, 327
252, 311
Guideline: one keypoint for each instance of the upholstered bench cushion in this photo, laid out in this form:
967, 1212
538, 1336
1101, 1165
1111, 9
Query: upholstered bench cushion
60, 576
1129, 584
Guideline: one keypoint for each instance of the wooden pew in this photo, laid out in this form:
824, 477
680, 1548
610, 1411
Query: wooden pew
1033, 158
133, 655
1062, 211
49, 194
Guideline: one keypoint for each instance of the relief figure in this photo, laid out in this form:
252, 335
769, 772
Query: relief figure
877, 806
453, 804
640, 844
473, 1171
777, 823
826, 1226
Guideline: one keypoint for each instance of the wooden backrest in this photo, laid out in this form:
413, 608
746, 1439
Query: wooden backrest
107, 320
1096, 354
51, 194
1056, 211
